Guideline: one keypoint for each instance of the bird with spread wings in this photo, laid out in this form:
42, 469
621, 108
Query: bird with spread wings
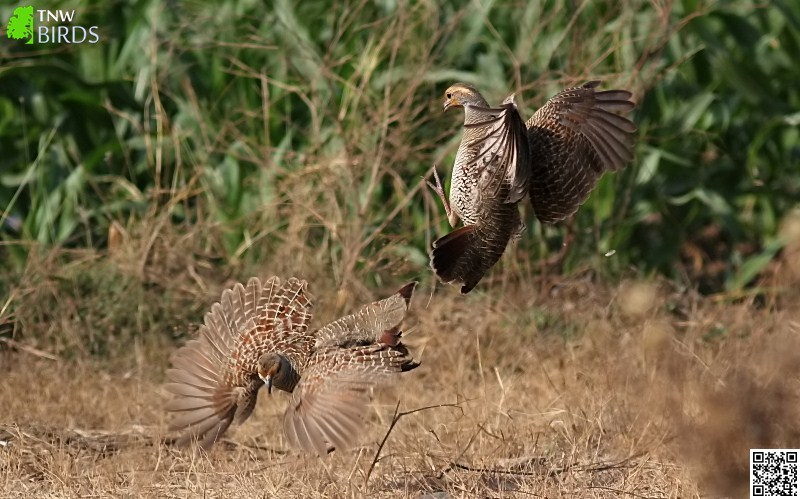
556, 158
257, 336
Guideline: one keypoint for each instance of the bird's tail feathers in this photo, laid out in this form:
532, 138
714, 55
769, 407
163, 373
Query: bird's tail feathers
456, 257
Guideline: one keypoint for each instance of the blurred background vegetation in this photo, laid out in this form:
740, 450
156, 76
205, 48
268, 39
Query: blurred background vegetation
294, 136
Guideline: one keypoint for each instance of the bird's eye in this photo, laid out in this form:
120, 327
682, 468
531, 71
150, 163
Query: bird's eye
448, 95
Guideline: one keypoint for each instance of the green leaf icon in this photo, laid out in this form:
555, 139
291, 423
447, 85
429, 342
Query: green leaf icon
20, 26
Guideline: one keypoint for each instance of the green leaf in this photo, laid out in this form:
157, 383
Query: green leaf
753, 265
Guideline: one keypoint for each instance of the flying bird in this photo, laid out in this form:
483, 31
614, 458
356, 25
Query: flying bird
556, 158
257, 336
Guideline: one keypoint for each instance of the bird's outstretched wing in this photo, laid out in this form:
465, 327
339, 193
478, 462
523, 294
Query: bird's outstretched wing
328, 408
574, 138
499, 143
351, 356
375, 322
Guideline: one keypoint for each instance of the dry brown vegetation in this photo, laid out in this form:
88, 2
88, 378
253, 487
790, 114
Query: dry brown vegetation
531, 386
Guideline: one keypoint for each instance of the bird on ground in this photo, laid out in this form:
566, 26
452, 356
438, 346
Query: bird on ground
556, 158
258, 335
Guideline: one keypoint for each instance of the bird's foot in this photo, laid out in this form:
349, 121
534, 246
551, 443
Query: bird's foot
439, 190
520, 231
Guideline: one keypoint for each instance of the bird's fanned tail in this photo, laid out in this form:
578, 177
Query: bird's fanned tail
206, 399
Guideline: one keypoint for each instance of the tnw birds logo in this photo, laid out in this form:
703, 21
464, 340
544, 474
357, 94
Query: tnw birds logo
20, 26
49, 26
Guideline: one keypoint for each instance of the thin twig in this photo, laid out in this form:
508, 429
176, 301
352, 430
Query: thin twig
395, 419
29, 349
619, 491
589, 468
455, 465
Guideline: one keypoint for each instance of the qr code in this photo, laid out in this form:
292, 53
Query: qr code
773, 473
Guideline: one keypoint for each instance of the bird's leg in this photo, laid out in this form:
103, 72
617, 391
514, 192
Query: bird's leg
439, 190
520, 230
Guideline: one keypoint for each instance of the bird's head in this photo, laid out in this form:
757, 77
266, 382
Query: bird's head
461, 95
275, 369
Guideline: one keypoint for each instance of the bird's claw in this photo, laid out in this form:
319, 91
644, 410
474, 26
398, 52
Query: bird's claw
439, 190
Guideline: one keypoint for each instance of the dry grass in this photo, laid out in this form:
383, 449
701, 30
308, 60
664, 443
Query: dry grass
546, 387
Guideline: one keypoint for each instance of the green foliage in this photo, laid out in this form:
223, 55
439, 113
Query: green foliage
721, 139
304, 127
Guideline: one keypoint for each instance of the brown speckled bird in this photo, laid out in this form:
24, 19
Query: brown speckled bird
258, 335
556, 157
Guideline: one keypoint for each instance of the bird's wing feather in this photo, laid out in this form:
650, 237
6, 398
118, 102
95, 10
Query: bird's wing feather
574, 138
501, 150
288, 308
377, 321
329, 405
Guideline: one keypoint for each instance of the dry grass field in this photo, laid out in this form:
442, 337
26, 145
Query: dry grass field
531, 386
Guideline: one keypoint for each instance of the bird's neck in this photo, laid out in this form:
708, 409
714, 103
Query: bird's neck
288, 378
